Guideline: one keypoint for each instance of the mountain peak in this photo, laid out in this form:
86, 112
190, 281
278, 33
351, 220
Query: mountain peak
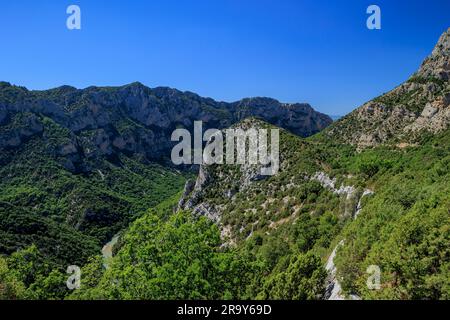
135, 84
438, 64
443, 45
401, 115
4, 84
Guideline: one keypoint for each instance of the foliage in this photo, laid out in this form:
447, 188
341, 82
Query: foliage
43, 203
27, 275
304, 279
404, 227
179, 258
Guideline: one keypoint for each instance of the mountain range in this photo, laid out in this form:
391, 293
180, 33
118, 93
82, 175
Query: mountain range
133, 119
371, 189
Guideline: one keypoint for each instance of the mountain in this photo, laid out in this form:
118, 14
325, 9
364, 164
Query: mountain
133, 119
371, 189
369, 192
77, 166
401, 116
335, 117
299, 161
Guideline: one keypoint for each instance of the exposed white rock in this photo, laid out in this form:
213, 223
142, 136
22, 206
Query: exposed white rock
204, 209
435, 116
329, 183
366, 192
325, 180
333, 289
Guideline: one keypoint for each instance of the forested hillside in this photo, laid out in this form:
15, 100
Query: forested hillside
277, 238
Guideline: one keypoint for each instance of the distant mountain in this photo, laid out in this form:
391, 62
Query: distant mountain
132, 119
335, 117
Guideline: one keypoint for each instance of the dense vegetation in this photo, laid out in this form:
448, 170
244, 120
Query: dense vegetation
98, 203
277, 251
177, 256
27, 274
57, 217
405, 227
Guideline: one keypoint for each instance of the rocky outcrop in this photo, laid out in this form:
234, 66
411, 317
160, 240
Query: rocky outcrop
210, 176
438, 65
25, 127
435, 117
299, 118
329, 183
193, 193
333, 289
350, 192
366, 193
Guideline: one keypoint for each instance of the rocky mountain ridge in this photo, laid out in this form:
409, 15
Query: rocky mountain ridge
132, 119
421, 104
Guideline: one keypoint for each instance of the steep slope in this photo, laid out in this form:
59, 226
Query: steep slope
419, 106
404, 228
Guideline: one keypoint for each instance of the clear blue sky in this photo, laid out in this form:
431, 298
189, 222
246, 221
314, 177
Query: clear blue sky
296, 51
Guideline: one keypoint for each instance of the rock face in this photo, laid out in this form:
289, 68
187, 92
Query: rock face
195, 194
350, 192
298, 118
133, 119
438, 65
333, 290
400, 116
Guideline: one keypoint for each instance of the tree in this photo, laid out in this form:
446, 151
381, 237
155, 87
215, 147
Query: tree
303, 280
180, 258
11, 288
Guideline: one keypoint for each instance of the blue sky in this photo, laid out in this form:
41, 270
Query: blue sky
296, 51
